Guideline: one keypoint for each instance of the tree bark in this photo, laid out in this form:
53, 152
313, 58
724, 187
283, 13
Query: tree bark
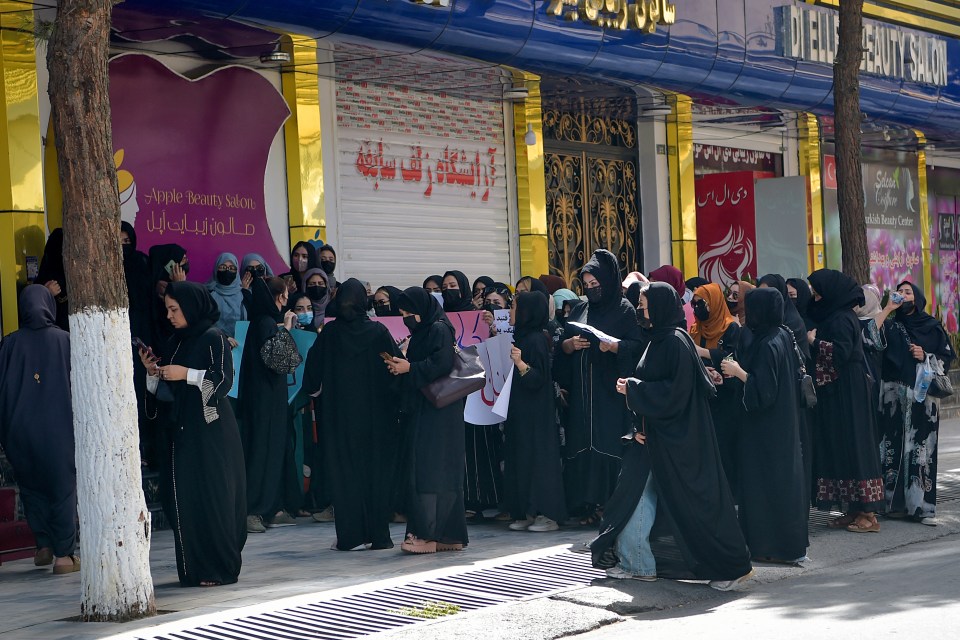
846, 95
114, 521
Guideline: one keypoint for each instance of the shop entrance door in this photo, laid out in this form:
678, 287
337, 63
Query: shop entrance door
593, 197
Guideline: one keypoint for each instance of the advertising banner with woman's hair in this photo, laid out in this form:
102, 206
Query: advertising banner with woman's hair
726, 227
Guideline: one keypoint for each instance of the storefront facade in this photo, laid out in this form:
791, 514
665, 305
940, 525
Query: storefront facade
398, 131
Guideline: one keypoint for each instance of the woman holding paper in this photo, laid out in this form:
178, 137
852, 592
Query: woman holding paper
588, 369
534, 480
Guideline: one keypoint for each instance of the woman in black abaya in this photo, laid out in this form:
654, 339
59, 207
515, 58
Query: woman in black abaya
847, 464
435, 513
909, 429
533, 476
267, 428
772, 495
597, 418
358, 417
670, 395
204, 483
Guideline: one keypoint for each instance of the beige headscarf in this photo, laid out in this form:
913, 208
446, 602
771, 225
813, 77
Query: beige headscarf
871, 308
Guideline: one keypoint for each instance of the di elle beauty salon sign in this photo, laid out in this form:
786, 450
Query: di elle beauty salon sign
191, 155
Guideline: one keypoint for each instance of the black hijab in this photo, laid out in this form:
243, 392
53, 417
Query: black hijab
838, 292
791, 317
263, 302
486, 281
198, 306
51, 264
532, 314
632, 294
465, 301
535, 284
393, 294
923, 329
160, 256
38, 309
438, 280
695, 283
665, 310
604, 267
802, 301
352, 301
419, 301
764, 309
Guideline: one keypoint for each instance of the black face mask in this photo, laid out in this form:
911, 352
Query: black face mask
258, 271
382, 309
732, 306
226, 277
328, 266
451, 297
410, 323
594, 295
491, 307
369, 303
185, 268
127, 250
316, 292
908, 307
700, 311
642, 320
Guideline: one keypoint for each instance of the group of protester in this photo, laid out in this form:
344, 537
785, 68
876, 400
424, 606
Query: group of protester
666, 414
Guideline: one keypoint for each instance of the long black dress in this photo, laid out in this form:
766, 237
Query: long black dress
670, 393
267, 427
51, 268
435, 508
847, 464
773, 498
726, 408
532, 472
909, 430
358, 418
597, 417
36, 420
204, 486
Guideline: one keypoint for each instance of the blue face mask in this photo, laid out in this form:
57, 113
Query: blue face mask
305, 318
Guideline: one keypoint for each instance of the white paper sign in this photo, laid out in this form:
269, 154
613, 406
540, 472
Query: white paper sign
599, 335
495, 356
501, 320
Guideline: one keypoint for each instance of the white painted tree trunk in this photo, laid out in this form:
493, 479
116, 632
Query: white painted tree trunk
114, 521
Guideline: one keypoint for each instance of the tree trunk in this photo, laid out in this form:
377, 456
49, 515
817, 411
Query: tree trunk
114, 521
846, 95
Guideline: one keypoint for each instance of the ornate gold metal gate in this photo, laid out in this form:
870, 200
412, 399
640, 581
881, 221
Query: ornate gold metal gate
592, 190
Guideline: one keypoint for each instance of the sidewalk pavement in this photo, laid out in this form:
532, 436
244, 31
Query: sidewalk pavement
292, 561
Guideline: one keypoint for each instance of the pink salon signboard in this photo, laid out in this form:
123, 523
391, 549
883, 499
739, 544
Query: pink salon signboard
191, 156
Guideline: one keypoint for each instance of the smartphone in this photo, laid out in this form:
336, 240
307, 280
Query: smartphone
386, 356
140, 345
169, 267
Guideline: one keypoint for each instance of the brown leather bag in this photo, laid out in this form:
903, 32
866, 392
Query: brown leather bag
466, 376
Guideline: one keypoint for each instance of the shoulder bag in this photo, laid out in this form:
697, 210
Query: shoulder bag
808, 390
466, 376
940, 385
280, 354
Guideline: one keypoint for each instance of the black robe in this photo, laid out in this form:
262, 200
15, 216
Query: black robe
772, 495
435, 509
265, 417
532, 471
205, 486
670, 393
847, 460
596, 416
358, 420
202, 484
36, 419
51, 268
726, 408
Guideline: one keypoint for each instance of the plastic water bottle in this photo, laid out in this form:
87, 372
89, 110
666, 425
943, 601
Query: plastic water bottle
924, 377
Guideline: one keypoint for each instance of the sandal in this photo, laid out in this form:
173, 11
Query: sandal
210, 583
842, 522
863, 524
449, 546
66, 569
415, 545
592, 519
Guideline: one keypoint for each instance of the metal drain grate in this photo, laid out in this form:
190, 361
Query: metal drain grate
362, 614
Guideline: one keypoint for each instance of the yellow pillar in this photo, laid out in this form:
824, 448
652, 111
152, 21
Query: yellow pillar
926, 249
809, 149
22, 232
531, 183
302, 140
683, 198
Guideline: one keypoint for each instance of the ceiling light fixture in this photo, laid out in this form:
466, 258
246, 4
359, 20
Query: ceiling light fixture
530, 137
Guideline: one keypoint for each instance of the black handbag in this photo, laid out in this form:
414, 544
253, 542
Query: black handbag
940, 387
280, 353
808, 390
466, 376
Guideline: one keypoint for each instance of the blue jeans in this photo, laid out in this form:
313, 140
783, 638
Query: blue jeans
633, 543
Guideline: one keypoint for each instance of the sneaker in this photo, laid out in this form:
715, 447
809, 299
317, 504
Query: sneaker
617, 573
255, 524
727, 585
282, 519
324, 516
521, 525
930, 521
542, 524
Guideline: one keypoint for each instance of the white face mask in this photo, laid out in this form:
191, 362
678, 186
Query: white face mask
437, 296
687, 296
